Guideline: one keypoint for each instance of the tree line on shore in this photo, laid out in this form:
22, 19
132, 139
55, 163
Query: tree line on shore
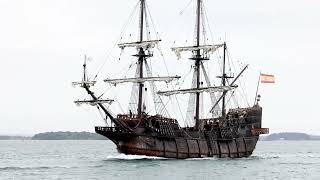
93, 136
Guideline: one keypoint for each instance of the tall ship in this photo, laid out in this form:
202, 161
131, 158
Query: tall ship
225, 132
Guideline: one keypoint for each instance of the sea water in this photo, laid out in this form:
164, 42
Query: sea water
100, 160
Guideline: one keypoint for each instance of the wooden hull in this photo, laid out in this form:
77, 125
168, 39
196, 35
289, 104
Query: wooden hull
182, 148
234, 137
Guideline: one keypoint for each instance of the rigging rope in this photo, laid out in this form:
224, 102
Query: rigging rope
182, 11
204, 33
152, 22
159, 106
133, 103
147, 23
228, 101
116, 99
124, 27
162, 56
213, 97
102, 116
207, 19
245, 94
167, 70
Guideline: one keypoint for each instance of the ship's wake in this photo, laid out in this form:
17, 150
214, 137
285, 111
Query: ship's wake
124, 157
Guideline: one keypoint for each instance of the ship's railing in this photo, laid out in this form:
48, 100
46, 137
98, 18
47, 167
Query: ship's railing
246, 109
136, 117
127, 116
109, 129
167, 120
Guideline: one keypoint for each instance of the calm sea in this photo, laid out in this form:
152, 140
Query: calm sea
100, 160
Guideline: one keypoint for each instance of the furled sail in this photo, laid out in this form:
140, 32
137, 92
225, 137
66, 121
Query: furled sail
143, 44
206, 49
197, 90
141, 80
82, 83
94, 102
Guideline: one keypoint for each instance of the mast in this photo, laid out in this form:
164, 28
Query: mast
197, 64
141, 56
198, 23
199, 54
84, 68
143, 47
141, 19
223, 78
232, 84
256, 97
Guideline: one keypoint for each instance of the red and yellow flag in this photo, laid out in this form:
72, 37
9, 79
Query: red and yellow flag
267, 78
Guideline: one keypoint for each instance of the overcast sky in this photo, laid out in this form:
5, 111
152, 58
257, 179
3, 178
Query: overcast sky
42, 43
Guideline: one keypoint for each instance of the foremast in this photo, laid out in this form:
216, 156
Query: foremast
143, 53
96, 101
142, 47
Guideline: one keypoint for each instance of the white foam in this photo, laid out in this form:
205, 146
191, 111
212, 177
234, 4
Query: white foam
131, 157
141, 157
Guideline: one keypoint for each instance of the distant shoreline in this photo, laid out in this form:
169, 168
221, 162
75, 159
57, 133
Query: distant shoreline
67, 135
5, 137
288, 136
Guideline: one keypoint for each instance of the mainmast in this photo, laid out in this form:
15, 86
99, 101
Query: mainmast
141, 56
197, 65
199, 54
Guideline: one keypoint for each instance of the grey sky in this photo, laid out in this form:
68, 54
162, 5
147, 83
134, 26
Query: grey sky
42, 43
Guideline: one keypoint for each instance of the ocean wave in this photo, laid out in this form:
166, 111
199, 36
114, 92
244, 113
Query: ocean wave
299, 163
288, 155
264, 157
15, 168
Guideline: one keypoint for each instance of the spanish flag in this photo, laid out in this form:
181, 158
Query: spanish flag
267, 78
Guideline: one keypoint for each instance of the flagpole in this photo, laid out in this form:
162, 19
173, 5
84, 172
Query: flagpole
255, 99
